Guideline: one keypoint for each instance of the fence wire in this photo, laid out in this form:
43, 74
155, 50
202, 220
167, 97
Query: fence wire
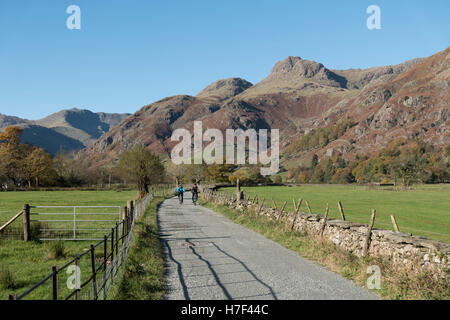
94, 272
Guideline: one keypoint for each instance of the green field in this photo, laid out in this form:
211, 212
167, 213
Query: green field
30, 262
423, 210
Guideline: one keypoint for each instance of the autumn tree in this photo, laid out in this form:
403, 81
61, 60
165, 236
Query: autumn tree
177, 173
142, 167
248, 176
12, 154
23, 162
196, 172
219, 172
39, 167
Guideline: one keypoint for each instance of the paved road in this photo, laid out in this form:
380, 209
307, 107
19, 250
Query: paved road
209, 257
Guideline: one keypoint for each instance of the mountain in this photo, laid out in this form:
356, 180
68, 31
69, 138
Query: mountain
6, 121
381, 104
225, 88
69, 130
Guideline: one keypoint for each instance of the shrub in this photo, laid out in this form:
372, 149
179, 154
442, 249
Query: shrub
7, 280
277, 179
56, 249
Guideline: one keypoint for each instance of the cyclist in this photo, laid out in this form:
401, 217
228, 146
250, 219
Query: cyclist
194, 193
180, 192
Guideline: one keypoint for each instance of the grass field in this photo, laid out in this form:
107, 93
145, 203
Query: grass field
423, 210
30, 262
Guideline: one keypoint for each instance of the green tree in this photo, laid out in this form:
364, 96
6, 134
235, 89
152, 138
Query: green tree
406, 168
142, 167
314, 161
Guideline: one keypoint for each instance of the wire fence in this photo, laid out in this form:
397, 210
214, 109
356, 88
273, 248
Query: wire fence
11, 228
73, 222
91, 274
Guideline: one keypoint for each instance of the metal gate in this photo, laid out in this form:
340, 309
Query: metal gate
73, 222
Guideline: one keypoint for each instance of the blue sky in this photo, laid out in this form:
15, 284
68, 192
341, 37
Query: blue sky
129, 53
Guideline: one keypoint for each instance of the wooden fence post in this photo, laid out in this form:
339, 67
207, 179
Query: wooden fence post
117, 239
369, 234
238, 190
297, 209
300, 200
260, 207
26, 223
55, 283
78, 277
282, 209
105, 252
394, 223
123, 231
325, 219
309, 208
94, 272
341, 210
124, 212
111, 268
130, 207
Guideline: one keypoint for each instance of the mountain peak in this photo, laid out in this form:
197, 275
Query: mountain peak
286, 65
297, 73
296, 67
225, 88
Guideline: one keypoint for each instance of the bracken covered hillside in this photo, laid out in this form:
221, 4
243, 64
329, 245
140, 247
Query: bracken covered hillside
409, 100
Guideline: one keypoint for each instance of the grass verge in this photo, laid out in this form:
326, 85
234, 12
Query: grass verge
143, 277
394, 284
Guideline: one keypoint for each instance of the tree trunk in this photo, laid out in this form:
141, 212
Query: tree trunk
142, 189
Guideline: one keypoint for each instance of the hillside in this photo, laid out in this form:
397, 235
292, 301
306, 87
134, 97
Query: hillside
69, 130
381, 104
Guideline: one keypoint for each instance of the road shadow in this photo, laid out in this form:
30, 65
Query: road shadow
196, 261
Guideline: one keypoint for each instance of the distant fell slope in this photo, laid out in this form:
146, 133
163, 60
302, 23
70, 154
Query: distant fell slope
69, 130
7, 121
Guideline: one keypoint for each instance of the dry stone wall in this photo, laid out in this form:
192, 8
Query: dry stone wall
407, 252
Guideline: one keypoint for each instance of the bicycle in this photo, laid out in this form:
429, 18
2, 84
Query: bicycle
194, 198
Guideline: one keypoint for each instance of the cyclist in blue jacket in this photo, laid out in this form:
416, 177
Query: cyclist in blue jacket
180, 192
